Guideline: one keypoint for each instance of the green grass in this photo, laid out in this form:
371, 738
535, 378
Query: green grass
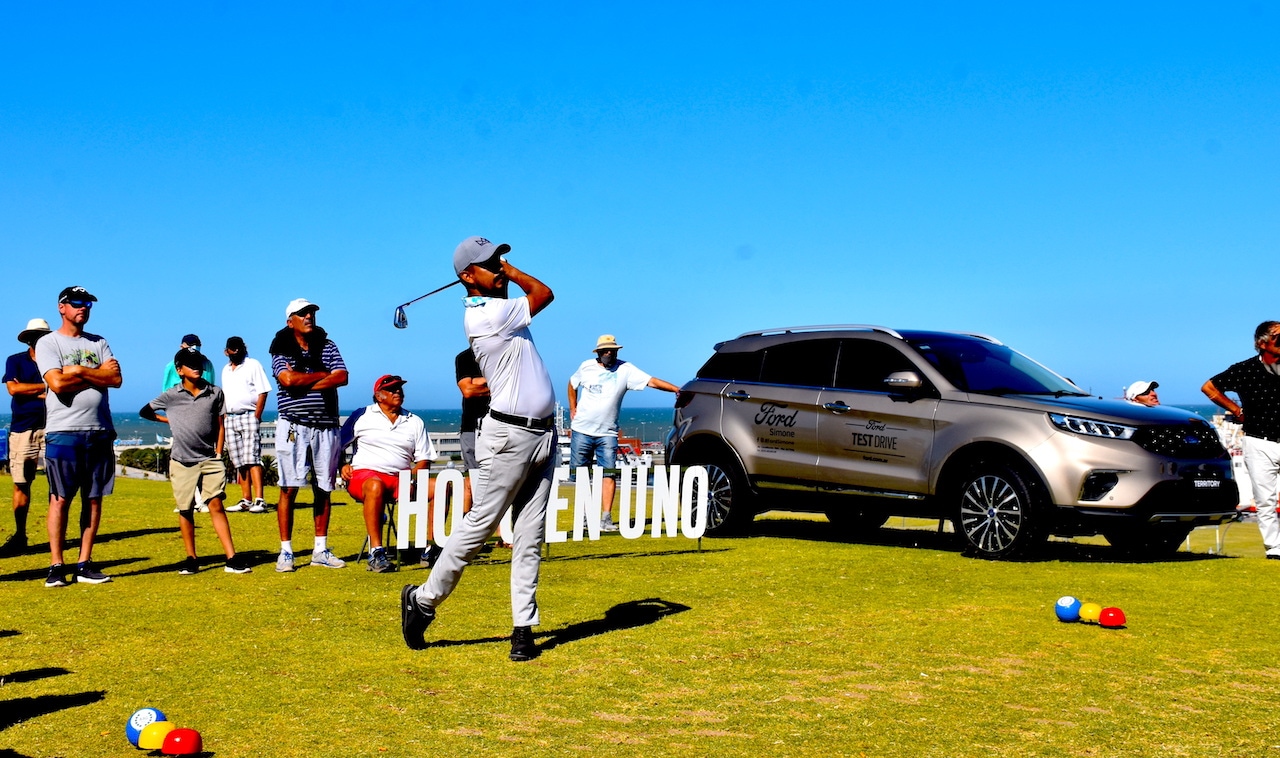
795, 642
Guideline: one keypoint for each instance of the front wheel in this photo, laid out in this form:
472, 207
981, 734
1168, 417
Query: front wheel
729, 500
997, 513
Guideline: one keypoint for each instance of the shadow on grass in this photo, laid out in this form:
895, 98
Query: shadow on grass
37, 548
9, 632
21, 709
628, 615
32, 675
43, 571
255, 558
931, 539
7, 753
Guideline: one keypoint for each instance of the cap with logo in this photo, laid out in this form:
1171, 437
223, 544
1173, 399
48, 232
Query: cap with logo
474, 250
236, 343
36, 328
76, 293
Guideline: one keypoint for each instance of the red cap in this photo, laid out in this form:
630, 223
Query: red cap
387, 381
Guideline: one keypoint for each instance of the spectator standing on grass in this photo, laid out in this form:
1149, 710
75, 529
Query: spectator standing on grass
245, 387
79, 369
308, 370
596, 390
193, 410
1256, 381
515, 445
26, 428
386, 440
189, 342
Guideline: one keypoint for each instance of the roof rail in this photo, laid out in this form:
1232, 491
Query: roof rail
981, 336
824, 328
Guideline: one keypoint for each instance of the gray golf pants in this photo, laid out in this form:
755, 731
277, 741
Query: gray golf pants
515, 469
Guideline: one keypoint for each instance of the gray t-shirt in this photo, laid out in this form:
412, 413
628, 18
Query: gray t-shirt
83, 410
193, 419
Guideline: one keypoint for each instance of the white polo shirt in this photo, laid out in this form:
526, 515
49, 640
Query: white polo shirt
383, 445
243, 384
498, 330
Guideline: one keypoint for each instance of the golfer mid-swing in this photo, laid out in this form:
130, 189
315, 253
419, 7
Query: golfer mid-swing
515, 444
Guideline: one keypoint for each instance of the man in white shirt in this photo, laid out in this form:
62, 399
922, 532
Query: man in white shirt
245, 387
596, 390
387, 440
515, 445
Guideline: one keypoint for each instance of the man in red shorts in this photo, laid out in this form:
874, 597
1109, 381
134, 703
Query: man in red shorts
387, 440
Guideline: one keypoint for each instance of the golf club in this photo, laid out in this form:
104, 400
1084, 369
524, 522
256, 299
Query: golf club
401, 321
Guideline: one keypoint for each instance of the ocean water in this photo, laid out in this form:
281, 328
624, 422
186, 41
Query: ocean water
648, 424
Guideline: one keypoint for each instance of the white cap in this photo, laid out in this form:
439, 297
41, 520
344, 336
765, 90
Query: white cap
36, 327
1139, 388
297, 305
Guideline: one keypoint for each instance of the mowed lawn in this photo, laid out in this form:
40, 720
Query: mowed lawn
795, 641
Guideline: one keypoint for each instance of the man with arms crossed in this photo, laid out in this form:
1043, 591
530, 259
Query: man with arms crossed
1257, 382
515, 445
388, 439
309, 370
26, 430
593, 414
245, 387
79, 368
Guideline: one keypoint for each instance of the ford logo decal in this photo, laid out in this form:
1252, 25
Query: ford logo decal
1191, 439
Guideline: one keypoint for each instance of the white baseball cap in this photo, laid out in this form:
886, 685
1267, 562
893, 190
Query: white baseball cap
1139, 388
298, 305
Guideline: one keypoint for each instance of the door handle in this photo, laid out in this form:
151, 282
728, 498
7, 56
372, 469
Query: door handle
738, 395
837, 407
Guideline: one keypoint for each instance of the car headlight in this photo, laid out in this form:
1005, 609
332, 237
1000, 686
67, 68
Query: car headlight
1092, 427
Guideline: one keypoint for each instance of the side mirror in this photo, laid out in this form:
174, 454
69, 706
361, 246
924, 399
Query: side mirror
901, 381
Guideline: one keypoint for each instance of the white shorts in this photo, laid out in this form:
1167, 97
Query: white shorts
301, 449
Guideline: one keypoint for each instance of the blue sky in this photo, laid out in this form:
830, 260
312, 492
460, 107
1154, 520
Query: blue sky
1094, 185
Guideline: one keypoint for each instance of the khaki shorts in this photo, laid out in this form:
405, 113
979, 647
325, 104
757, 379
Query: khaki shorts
209, 476
26, 455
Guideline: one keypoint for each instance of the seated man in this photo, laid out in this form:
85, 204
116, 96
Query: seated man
387, 440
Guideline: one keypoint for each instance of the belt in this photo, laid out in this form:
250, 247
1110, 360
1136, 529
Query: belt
528, 422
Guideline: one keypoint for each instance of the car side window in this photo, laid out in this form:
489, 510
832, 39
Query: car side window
737, 367
864, 365
805, 363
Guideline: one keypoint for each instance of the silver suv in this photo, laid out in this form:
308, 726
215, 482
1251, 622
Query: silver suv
864, 422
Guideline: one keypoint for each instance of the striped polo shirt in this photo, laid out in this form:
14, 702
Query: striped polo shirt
317, 408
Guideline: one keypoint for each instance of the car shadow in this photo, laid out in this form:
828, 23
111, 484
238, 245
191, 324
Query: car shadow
628, 615
932, 539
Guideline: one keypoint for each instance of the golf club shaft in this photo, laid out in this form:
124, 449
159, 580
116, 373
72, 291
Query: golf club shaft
432, 292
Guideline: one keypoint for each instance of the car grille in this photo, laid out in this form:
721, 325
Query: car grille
1185, 442
1183, 497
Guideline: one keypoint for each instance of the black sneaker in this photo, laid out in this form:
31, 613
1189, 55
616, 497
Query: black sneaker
15, 545
237, 565
86, 572
523, 648
189, 566
413, 621
57, 576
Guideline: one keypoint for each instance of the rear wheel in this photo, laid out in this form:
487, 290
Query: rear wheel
730, 502
998, 514
1148, 540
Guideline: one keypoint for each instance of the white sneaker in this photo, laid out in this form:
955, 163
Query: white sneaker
259, 506
243, 505
202, 508
327, 559
284, 563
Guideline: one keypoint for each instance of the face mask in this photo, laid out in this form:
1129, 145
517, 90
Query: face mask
608, 359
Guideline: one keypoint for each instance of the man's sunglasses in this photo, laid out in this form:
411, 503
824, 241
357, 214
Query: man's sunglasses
493, 265
86, 304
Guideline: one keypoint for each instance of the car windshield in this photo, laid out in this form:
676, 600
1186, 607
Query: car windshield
976, 365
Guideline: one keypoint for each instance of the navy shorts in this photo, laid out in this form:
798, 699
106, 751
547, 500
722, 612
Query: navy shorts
83, 462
